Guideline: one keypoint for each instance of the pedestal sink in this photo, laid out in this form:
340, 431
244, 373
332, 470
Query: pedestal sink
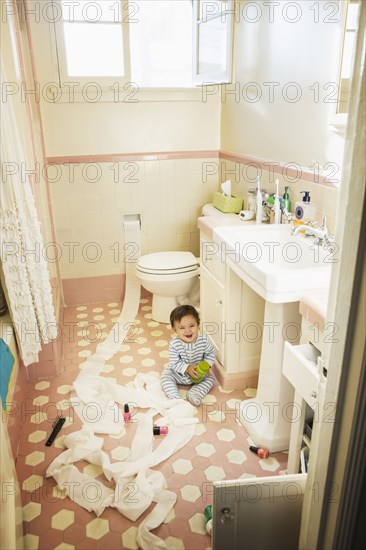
282, 269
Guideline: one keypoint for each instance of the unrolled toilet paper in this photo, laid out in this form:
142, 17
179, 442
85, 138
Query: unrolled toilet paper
95, 400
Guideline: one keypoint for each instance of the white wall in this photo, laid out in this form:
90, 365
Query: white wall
137, 122
303, 52
104, 128
169, 195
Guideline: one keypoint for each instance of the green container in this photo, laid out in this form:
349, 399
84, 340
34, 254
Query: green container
202, 369
226, 204
286, 200
208, 512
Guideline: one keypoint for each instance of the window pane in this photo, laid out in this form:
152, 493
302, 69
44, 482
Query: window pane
352, 14
212, 8
212, 42
349, 42
161, 44
93, 50
90, 11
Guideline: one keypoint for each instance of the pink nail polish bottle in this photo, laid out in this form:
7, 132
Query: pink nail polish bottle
126, 413
160, 430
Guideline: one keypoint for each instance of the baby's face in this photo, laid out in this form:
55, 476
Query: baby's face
187, 328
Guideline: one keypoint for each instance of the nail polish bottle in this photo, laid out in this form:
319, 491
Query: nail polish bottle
262, 453
126, 413
160, 430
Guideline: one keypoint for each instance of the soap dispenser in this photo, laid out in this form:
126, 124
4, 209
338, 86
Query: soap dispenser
304, 211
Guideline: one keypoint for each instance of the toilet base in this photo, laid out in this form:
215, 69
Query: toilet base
162, 307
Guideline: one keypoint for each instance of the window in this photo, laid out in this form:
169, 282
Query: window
152, 43
161, 44
347, 52
213, 38
92, 41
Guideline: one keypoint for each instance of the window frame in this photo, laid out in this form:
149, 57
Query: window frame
103, 81
338, 120
214, 77
108, 84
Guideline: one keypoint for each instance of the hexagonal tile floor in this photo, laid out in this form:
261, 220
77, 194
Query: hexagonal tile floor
219, 450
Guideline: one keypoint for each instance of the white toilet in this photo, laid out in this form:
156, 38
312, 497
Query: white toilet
169, 276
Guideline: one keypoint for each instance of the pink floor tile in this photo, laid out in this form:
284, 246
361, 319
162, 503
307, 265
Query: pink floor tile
201, 459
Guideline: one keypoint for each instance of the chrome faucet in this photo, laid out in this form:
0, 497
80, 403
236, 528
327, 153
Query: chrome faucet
323, 236
285, 213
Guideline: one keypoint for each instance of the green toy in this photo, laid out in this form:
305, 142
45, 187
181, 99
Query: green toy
202, 369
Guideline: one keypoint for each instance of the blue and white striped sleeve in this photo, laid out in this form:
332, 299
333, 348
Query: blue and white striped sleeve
209, 353
176, 363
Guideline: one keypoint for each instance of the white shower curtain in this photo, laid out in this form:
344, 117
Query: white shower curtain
24, 266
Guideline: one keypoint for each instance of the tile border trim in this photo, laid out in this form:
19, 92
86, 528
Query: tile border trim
290, 170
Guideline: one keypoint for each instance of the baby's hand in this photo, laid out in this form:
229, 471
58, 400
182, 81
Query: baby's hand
191, 371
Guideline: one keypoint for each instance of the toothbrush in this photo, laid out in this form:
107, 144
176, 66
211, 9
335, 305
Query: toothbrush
259, 202
277, 206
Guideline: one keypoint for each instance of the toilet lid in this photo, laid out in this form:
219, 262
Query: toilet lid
170, 262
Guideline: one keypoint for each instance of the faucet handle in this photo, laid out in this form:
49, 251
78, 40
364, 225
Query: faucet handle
324, 226
325, 229
310, 223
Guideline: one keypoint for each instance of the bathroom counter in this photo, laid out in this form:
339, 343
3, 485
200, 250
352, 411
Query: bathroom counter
209, 223
314, 308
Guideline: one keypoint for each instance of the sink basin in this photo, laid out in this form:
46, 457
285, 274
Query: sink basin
278, 266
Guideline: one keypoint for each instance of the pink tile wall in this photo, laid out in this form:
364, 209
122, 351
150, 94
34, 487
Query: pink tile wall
89, 290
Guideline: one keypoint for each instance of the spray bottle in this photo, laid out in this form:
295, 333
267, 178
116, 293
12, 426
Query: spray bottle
277, 209
259, 203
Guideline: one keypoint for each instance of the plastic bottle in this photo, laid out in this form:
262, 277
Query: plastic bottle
304, 211
262, 453
202, 368
208, 517
286, 200
259, 203
277, 209
160, 430
126, 413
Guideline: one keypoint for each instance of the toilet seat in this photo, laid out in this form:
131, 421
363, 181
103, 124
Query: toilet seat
167, 263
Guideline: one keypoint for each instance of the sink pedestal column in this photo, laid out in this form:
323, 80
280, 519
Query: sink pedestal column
268, 416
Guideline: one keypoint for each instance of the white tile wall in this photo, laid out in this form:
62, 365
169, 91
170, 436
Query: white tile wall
169, 195
324, 198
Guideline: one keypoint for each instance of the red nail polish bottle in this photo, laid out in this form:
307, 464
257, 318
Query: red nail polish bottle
262, 453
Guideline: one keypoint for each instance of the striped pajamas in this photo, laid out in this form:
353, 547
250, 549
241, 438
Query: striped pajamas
181, 355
